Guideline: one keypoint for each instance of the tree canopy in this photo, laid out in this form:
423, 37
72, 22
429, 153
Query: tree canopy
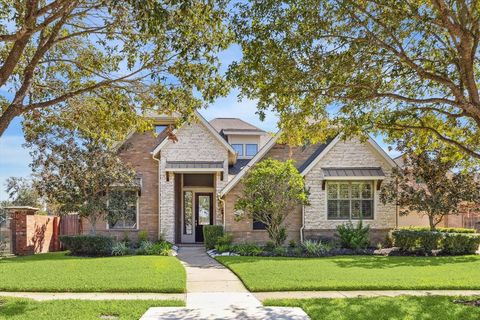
272, 190
130, 55
391, 67
75, 172
430, 184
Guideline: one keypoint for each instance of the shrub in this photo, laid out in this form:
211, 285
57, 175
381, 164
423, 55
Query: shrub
440, 229
126, 239
316, 248
211, 234
460, 243
292, 243
417, 240
248, 249
280, 251
120, 249
354, 237
88, 245
297, 251
406, 240
225, 240
269, 246
221, 248
145, 247
161, 248
142, 236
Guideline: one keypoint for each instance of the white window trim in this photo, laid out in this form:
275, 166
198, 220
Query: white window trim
374, 206
137, 224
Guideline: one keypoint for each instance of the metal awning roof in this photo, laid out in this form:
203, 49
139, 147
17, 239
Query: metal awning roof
194, 165
359, 172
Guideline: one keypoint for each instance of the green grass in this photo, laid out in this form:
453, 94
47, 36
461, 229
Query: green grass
356, 273
26, 309
58, 272
404, 308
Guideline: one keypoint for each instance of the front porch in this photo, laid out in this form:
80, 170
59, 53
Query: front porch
195, 204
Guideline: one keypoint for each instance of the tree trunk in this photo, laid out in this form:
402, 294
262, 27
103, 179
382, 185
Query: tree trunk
432, 223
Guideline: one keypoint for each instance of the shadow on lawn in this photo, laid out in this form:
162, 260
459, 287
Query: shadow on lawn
10, 309
383, 308
367, 262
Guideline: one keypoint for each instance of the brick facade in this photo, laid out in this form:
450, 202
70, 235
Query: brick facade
351, 153
137, 152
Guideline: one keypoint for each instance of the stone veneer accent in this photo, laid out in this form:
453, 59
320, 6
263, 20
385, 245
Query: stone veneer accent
350, 153
195, 143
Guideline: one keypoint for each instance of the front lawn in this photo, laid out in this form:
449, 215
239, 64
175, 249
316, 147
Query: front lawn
404, 308
26, 309
58, 272
356, 272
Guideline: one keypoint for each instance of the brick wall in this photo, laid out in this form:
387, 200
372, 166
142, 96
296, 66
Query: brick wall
33, 233
136, 151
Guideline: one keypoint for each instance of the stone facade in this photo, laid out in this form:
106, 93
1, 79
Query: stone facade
351, 153
195, 143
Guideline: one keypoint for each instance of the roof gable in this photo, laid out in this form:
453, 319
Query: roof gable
209, 128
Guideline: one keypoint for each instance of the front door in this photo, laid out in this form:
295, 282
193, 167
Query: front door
203, 213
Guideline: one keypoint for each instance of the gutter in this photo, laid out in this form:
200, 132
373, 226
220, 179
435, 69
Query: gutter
224, 212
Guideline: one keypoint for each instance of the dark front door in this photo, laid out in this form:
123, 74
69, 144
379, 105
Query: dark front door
203, 213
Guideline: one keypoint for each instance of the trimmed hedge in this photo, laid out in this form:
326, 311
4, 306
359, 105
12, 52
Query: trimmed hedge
210, 234
88, 245
458, 243
440, 229
425, 241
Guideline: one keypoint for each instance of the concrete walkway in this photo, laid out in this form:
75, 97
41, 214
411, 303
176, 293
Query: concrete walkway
262, 296
43, 296
214, 292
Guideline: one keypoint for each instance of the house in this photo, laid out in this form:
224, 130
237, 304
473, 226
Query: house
195, 181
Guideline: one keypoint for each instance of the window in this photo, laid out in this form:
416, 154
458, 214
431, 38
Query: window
251, 150
159, 128
238, 149
350, 200
258, 225
3, 217
188, 212
198, 180
122, 209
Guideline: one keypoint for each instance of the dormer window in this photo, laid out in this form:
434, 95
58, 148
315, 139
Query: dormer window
238, 149
251, 150
159, 128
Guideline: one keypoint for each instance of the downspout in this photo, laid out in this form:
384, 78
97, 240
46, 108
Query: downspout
303, 223
159, 196
224, 212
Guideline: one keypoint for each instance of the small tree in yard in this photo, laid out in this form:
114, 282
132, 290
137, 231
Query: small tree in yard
272, 190
429, 183
76, 173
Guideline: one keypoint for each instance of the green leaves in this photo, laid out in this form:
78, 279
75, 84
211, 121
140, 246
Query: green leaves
384, 67
272, 190
120, 52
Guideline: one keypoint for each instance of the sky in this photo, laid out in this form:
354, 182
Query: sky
15, 159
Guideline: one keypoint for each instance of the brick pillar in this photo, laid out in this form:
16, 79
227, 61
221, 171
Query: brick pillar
18, 226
